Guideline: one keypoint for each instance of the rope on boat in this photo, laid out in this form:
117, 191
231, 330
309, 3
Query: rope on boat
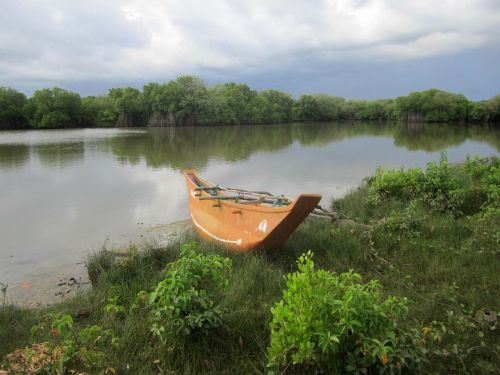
257, 197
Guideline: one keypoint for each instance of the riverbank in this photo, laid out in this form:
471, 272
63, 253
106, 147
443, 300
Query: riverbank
100, 186
58, 281
434, 239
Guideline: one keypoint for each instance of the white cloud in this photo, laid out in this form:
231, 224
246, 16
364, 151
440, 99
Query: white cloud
58, 40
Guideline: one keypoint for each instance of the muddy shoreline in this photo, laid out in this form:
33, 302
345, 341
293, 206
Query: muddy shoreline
60, 281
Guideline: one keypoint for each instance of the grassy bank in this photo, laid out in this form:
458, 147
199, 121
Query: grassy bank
434, 238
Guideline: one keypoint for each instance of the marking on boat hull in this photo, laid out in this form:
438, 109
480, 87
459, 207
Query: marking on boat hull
237, 242
262, 226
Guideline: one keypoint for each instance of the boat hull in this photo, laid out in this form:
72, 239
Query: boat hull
243, 227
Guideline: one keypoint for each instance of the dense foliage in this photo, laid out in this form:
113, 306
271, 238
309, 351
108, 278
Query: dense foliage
459, 189
335, 323
187, 100
184, 302
11, 108
433, 106
53, 108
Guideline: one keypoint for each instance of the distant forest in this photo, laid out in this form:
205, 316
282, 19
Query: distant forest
188, 101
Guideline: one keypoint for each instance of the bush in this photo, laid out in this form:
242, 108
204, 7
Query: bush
456, 189
442, 188
68, 349
395, 183
334, 323
185, 302
408, 222
485, 174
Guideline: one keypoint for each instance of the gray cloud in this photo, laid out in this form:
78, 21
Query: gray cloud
67, 42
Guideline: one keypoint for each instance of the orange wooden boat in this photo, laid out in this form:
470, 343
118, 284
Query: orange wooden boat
244, 221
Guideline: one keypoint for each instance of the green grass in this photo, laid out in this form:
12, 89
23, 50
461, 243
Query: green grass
441, 262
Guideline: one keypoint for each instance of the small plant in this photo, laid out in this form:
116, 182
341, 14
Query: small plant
37, 359
68, 348
113, 308
129, 262
408, 222
186, 300
334, 323
141, 302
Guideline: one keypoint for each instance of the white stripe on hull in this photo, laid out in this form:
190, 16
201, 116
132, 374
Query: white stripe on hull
236, 242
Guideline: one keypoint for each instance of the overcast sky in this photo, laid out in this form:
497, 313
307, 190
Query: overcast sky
351, 48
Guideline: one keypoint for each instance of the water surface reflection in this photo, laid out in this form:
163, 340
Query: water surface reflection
66, 192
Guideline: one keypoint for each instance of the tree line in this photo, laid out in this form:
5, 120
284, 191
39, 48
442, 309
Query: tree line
187, 100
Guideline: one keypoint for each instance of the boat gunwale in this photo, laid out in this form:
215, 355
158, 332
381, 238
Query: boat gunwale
247, 207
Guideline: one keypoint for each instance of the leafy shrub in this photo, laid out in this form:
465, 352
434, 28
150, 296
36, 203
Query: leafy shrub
473, 200
442, 188
458, 189
68, 349
335, 323
396, 183
407, 222
113, 308
485, 172
186, 300
128, 264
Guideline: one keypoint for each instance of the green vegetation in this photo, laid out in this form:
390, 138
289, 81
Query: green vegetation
184, 302
335, 323
427, 302
433, 106
459, 190
188, 101
53, 108
98, 111
11, 108
126, 105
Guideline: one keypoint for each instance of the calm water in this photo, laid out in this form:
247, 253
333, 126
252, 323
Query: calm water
64, 193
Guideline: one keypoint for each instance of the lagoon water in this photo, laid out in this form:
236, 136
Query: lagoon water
64, 193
